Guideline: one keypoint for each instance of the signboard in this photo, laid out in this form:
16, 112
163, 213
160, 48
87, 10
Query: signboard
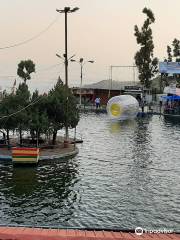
169, 67
132, 88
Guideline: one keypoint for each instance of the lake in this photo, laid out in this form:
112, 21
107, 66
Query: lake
126, 175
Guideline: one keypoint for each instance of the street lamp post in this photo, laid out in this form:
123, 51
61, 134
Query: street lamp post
82, 63
80, 96
66, 10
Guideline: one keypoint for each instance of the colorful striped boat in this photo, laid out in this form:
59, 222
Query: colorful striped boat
25, 155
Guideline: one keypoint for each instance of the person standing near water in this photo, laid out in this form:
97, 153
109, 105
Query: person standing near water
160, 104
142, 103
97, 102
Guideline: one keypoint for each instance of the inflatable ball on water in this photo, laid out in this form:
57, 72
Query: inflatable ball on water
122, 107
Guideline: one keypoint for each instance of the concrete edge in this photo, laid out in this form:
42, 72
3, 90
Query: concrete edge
59, 156
8, 158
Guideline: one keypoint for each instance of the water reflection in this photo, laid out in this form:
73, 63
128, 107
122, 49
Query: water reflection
24, 181
118, 179
121, 126
59, 178
44, 191
171, 121
142, 143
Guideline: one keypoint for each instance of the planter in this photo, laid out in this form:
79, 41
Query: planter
25, 155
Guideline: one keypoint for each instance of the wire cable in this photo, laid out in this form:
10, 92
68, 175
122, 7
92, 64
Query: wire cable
49, 68
8, 76
37, 72
32, 38
22, 109
35, 101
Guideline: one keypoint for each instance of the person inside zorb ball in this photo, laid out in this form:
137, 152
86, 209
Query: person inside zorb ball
122, 107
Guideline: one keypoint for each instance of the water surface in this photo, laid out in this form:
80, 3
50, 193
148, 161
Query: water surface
126, 175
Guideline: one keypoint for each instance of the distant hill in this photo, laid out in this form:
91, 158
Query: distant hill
106, 84
119, 85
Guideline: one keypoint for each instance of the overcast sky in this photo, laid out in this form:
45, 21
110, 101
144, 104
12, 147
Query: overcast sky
102, 30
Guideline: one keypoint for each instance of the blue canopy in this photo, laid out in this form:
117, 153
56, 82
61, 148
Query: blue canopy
174, 97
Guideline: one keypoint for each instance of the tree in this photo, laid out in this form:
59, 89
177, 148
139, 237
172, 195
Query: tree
39, 122
22, 100
7, 107
164, 76
176, 49
38, 114
169, 50
13, 117
176, 52
25, 68
175, 56
56, 108
146, 63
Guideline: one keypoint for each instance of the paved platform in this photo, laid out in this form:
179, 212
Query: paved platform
20, 233
45, 154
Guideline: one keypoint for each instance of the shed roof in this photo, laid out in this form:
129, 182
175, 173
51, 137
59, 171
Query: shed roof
106, 84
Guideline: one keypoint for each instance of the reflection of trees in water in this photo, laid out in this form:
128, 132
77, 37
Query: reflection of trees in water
5, 179
57, 187
140, 180
24, 180
142, 142
171, 121
41, 192
58, 177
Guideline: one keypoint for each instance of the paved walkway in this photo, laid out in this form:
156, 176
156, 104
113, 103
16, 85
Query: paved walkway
19, 233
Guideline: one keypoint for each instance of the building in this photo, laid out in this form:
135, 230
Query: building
106, 89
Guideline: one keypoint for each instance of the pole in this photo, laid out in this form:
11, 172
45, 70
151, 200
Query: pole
80, 99
161, 83
66, 56
66, 10
110, 81
66, 77
134, 76
74, 138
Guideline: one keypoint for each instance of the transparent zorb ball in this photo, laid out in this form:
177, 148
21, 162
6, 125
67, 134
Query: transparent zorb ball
122, 107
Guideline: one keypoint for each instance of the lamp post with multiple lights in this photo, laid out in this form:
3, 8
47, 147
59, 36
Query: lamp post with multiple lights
66, 10
82, 63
